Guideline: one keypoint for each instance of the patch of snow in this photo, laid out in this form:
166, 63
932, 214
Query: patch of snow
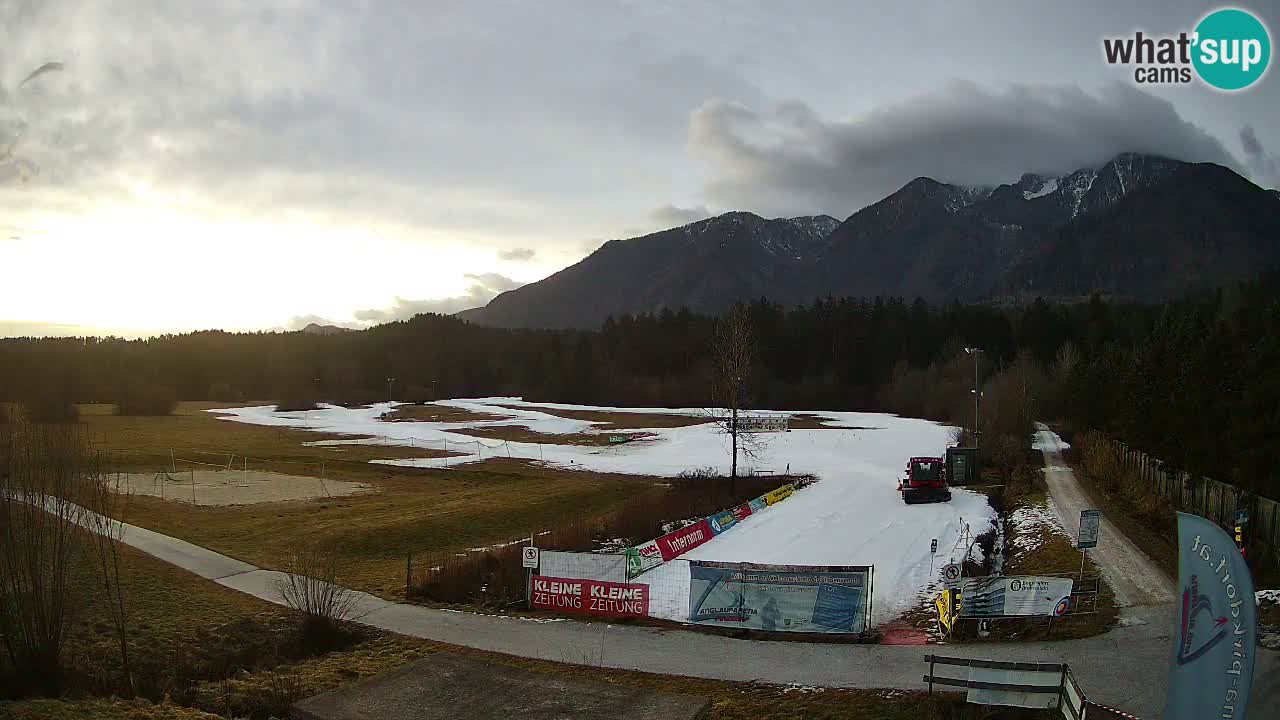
1050, 186
853, 516
803, 689
1268, 597
1029, 523
1049, 441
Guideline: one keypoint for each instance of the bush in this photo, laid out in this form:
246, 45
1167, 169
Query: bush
312, 585
146, 399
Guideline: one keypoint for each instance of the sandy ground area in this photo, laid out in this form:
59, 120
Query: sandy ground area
236, 487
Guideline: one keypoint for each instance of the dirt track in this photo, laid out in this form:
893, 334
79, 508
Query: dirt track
1132, 575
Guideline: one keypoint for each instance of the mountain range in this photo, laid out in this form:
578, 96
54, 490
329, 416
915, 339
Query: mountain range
1141, 227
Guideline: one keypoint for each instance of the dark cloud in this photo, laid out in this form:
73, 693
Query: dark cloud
1265, 166
789, 161
517, 254
668, 216
484, 287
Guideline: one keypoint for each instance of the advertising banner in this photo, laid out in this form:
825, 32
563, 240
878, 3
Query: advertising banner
723, 521
642, 558
758, 504
676, 543
741, 512
773, 497
1014, 595
1215, 640
784, 598
589, 597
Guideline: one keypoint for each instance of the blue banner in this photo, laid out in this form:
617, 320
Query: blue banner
1216, 635
785, 598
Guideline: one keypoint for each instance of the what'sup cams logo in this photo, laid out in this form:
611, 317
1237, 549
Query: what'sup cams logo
1228, 50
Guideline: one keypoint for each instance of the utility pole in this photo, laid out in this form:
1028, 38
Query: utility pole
977, 393
389, 381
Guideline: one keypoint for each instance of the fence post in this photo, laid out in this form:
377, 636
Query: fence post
930, 659
408, 574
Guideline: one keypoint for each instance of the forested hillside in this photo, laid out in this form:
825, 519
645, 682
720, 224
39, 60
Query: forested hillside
1195, 381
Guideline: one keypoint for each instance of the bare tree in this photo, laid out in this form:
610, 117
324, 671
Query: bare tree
312, 585
109, 500
734, 354
49, 490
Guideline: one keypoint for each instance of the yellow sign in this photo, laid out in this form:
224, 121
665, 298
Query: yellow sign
948, 604
774, 497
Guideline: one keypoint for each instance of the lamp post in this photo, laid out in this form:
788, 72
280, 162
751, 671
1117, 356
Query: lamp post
389, 381
975, 352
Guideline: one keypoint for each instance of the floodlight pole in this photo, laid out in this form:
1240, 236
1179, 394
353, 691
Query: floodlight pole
389, 381
975, 352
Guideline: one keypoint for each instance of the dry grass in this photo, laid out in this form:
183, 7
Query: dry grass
233, 649
517, 433
439, 413
101, 708
729, 700
419, 509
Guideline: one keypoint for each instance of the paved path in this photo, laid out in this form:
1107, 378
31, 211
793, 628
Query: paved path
1124, 668
1132, 575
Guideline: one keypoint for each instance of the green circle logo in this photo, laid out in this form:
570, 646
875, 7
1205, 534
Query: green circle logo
1232, 49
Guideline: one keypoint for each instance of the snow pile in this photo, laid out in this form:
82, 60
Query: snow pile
853, 515
1268, 597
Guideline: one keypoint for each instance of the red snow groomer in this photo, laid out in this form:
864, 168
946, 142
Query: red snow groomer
926, 481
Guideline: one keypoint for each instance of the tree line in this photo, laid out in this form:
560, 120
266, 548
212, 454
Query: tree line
1196, 381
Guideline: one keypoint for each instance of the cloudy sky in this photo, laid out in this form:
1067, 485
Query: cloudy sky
267, 164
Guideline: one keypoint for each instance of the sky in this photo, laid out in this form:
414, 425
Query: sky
263, 165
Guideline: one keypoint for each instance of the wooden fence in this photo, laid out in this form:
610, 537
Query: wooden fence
1211, 499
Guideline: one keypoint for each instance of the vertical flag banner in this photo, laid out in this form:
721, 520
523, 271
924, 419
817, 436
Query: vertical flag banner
1216, 634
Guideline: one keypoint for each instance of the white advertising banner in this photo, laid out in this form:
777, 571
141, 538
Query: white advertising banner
1014, 595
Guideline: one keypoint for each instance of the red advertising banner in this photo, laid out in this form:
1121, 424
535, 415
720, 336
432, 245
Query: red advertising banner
590, 597
741, 512
674, 544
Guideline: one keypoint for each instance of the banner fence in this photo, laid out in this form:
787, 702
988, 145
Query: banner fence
781, 598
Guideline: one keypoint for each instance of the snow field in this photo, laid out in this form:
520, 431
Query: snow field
852, 516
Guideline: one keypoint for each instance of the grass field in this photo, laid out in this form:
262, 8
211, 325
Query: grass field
419, 510
620, 420
202, 651
439, 413
517, 433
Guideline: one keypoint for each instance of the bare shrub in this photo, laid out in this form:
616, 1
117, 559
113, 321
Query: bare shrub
312, 585
1100, 460
50, 486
